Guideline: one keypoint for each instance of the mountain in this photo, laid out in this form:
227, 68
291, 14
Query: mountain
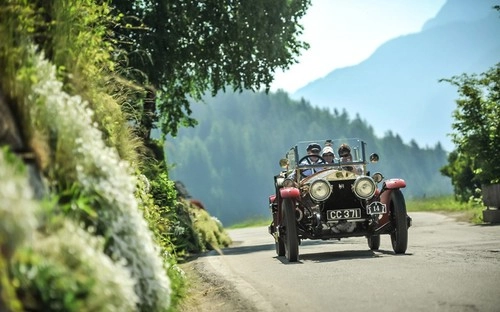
397, 88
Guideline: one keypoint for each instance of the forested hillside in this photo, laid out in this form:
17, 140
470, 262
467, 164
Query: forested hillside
229, 159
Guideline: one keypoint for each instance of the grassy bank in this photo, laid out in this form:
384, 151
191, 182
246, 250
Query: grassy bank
471, 211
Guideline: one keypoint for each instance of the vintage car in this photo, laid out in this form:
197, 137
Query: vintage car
321, 201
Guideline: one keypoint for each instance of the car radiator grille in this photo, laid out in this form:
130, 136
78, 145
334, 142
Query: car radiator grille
342, 196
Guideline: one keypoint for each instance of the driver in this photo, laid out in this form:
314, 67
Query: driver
313, 149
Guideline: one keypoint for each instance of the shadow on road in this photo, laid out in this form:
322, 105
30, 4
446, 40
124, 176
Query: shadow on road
238, 250
341, 255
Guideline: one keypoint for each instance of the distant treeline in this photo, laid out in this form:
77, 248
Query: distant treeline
228, 161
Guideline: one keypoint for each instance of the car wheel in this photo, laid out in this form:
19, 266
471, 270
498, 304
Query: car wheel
374, 242
291, 240
280, 247
399, 235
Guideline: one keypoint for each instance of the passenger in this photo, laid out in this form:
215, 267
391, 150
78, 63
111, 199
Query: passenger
328, 154
345, 153
346, 156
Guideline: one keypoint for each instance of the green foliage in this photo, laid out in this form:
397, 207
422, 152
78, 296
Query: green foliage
60, 72
18, 23
476, 130
67, 271
84, 171
184, 48
211, 230
16, 225
253, 222
470, 211
229, 160
459, 169
48, 286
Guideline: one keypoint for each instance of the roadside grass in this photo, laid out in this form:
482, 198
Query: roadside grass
468, 212
252, 222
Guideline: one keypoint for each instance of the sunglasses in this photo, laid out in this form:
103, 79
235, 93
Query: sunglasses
328, 155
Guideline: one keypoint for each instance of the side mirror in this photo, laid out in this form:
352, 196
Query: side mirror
284, 163
374, 158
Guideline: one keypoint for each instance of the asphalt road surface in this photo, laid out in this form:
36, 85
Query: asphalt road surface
448, 266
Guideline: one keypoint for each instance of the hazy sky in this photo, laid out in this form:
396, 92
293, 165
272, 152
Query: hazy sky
346, 32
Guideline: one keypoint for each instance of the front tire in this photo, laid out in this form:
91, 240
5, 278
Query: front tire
291, 240
399, 236
374, 242
280, 247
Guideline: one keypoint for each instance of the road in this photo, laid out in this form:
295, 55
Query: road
448, 266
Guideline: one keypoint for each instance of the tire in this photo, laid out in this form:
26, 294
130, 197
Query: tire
291, 240
280, 247
374, 242
399, 235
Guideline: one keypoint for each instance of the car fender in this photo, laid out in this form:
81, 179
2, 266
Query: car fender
272, 198
392, 184
289, 192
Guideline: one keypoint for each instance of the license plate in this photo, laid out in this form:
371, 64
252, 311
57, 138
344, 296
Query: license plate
341, 214
376, 208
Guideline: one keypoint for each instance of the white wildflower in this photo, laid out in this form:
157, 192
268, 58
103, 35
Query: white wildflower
17, 207
100, 170
113, 288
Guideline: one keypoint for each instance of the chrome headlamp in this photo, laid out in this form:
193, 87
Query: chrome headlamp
364, 187
288, 183
320, 190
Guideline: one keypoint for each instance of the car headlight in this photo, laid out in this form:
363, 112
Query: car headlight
288, 183
364, 187
377, 177
320, 190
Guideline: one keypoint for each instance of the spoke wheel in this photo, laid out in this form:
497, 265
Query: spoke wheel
374, 242
399, 236
291, 240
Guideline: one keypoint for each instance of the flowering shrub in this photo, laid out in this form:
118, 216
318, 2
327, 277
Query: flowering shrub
100, 171
17, 221
16, 225
74, 272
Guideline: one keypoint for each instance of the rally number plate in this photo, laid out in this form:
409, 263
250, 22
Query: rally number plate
376, 208
343, 214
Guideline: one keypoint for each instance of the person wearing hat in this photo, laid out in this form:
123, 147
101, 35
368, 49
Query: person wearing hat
313, 149
328, 154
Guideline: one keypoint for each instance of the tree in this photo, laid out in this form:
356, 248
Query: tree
186, 48
459, 169
476, 129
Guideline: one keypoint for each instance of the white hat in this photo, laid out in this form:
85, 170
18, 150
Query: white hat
327, 149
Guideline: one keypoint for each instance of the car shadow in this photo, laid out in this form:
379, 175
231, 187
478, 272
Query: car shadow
340, 255
328, 256
234, 249
331, 256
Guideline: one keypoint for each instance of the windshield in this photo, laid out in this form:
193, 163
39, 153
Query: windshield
344, 150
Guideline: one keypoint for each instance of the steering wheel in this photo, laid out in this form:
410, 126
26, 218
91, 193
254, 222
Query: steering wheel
308, 157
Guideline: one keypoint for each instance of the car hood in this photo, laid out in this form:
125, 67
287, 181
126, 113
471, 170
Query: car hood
330, 175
